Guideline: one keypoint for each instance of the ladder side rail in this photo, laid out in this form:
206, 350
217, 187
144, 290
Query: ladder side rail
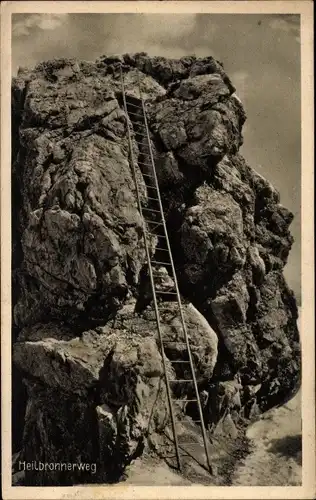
173, 422
176, 286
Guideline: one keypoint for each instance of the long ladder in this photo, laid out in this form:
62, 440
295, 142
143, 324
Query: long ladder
153, 218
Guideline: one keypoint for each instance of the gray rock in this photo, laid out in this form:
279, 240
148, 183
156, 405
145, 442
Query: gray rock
92, 366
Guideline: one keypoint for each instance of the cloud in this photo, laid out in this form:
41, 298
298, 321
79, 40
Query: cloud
288, 24
155, 34
23, 25
175, 26
260, 54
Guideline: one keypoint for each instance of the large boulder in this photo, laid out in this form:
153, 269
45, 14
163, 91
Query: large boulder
87, 345
110, 381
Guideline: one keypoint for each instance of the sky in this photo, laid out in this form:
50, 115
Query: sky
260, 53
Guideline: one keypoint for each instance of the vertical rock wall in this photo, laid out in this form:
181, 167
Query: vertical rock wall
91, 366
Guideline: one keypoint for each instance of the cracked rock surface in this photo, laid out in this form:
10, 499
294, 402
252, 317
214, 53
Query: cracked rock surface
86, 339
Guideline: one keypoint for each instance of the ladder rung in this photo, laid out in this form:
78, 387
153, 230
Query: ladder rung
158, 235
168, 309
141, 130
134, 114
156, 224
154, 199
139, 133
134, 105
149, 221
174, 342
181, 381
174, 456
159, 248
148, 175
166, 293
161, 275
143, 163
142, 145
187, 443
184, 400
151, 210
178, 361
170, 288
161, 263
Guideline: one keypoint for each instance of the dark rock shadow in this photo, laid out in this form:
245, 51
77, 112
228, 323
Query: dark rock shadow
289, 447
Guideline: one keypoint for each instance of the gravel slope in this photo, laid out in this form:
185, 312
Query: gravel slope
276, 452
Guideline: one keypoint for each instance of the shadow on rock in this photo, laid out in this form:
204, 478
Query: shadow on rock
289, 447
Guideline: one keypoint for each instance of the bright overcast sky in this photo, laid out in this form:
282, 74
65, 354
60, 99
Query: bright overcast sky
260, 53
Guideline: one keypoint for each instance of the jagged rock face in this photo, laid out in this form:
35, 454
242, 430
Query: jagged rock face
79, 257
233, 253
109, 381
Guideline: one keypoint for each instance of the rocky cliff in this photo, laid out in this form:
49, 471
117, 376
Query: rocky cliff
85, 347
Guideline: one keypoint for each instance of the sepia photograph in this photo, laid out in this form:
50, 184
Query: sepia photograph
154, 270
